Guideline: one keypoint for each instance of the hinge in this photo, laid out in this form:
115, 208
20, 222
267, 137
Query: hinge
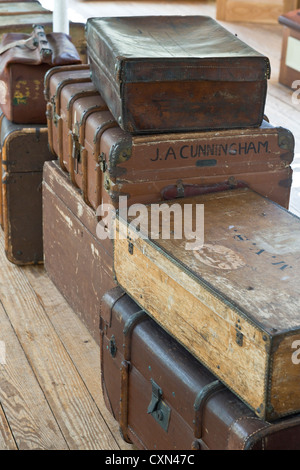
239, 335
130, 247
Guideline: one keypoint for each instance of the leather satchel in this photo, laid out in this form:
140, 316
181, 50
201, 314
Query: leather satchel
24, 61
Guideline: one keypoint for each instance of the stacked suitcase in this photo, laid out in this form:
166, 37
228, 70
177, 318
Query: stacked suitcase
24, 60
185, 125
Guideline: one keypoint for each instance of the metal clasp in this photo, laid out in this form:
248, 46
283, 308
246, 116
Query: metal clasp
76, 152
158, 409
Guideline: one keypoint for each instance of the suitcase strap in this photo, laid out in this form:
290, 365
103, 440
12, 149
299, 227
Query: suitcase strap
205, 394
38, 40
129, 326
181, 190
58, 69
270, 430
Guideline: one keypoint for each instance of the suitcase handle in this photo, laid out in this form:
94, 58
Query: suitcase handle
181, 190
38, 39
41, 41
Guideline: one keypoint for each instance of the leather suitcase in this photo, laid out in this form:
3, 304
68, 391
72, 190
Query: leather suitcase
231, 297
62, 85
176, 74
78, 263
105, 162
24, 150
19, 17
24, 61
290, 52
164, 399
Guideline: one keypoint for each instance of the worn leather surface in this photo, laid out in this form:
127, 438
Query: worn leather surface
163, 74
153, 37
63, 51
220, 421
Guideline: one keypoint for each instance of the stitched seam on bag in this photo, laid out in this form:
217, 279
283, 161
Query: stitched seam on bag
246, 439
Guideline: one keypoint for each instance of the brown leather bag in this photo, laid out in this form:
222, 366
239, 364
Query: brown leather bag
24, 61
164, 399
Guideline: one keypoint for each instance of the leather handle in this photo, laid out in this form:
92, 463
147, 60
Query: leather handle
37, 40
30, 43
181, 190
42, 43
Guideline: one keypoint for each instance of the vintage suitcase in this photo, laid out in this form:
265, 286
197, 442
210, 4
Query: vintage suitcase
24, 150
290, 53
24, 61
176, 73
78, 263
19, 17
62, 86
230, 295
164, 399
106, 163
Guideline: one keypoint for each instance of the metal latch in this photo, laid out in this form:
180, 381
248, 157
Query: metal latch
102, 162
158, 409
54, 116
76, 152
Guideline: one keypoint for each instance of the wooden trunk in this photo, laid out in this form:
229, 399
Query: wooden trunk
18, 17
172, 73
290, 53
164, 399
24, 151
78, 263
233, 302
107, 163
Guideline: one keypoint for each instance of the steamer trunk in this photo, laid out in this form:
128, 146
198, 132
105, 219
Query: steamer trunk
164, 399
233, 302
106, 163
24, 151
78, 263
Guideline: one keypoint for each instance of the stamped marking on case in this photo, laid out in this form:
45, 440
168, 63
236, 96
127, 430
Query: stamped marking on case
219, 257
233, 149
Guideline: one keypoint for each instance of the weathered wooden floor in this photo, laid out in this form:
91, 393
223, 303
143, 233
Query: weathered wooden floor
50, 393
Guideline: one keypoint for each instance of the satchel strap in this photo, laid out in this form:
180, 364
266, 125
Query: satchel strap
37, 40
29, 43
